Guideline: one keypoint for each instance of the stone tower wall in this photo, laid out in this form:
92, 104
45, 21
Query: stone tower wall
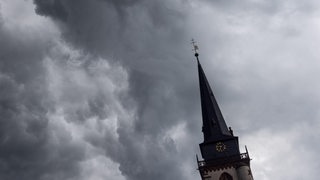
215, 175
244, 173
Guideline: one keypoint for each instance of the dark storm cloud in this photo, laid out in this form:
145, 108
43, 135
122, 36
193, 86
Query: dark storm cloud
149, 38
145, 37
40, 112
113, 93
138, 28
53, 8
25, 142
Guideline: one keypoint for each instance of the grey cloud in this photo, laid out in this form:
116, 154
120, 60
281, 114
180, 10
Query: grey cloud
25, 141
145, 37
121, 34
122, 85
263, 7
32, 143
53, 8
42, 102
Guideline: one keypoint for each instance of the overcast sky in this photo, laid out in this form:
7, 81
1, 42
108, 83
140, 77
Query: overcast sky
108, 89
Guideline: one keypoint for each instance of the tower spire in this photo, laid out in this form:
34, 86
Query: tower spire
220, 149
214, 126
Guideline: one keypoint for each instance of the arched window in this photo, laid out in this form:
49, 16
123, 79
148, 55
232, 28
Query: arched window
225, 176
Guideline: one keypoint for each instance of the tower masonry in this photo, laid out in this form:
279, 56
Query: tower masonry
221, 157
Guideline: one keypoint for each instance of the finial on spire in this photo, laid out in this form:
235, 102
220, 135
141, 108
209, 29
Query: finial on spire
195, 48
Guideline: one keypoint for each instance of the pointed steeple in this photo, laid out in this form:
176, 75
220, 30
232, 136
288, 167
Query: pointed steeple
220, 149
217, 137
214, 126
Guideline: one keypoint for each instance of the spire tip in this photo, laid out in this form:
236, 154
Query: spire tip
195, 47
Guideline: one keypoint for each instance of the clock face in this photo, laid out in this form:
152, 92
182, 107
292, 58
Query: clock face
220, 147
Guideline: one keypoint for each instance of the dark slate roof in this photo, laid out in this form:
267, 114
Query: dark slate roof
214, 127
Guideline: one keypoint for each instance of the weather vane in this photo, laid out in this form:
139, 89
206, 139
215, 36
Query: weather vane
195, 48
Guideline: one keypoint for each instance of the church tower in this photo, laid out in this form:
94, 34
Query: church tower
222, 159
